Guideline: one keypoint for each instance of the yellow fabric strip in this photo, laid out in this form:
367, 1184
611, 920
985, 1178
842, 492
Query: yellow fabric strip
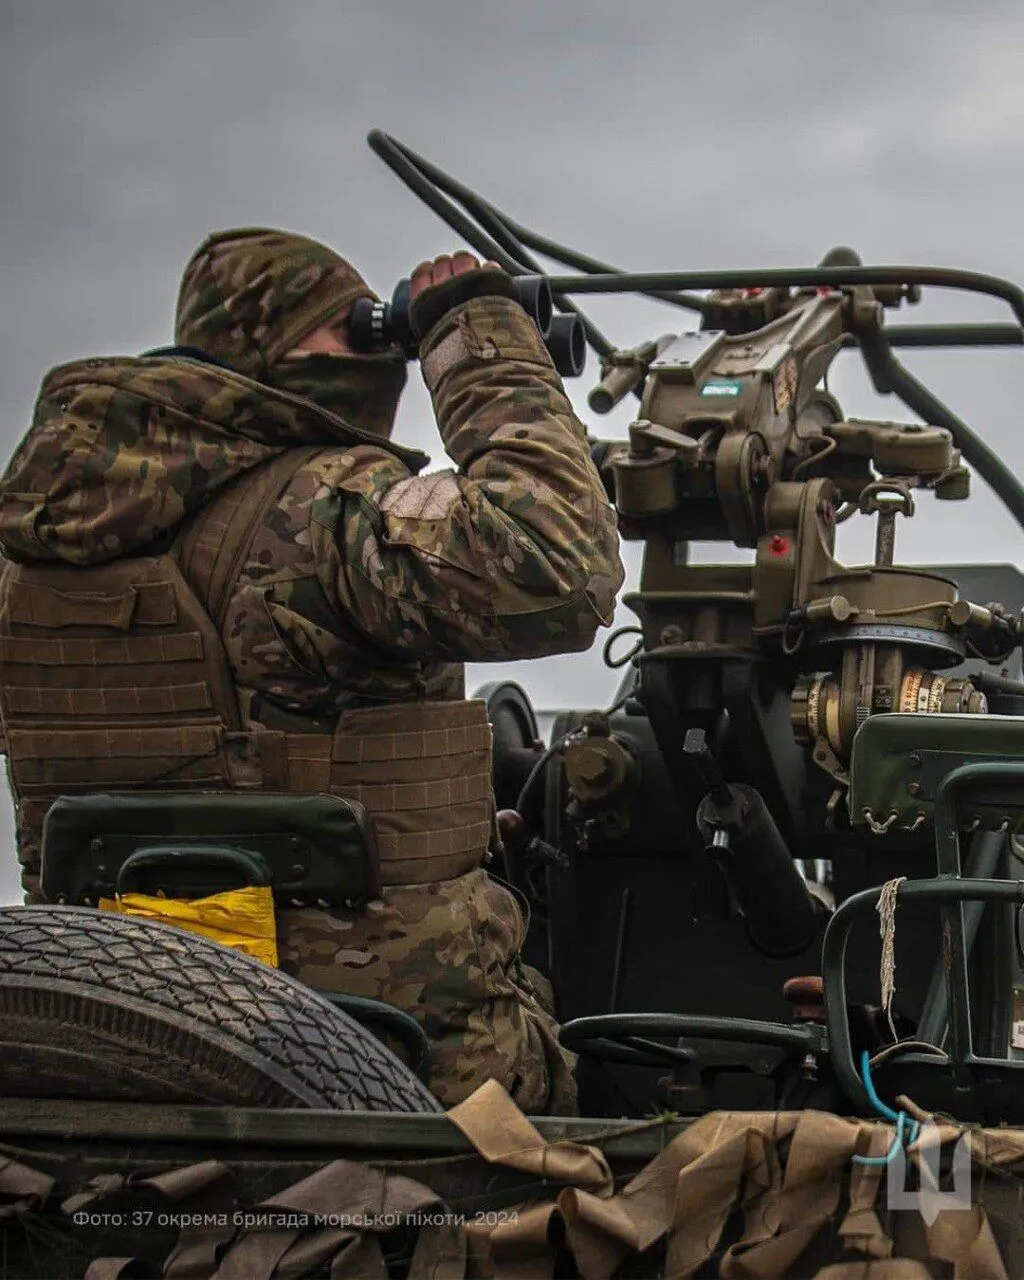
239, 918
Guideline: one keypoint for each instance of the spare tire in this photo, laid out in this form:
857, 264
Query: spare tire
95, 1005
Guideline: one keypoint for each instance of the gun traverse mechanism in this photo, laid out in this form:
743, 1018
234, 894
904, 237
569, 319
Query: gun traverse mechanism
736, 440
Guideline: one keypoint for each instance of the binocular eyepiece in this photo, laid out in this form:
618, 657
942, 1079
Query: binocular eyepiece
373, 325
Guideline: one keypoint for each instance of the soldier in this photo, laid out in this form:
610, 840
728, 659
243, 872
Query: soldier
346, 590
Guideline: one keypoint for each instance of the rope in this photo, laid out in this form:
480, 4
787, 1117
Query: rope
887, 930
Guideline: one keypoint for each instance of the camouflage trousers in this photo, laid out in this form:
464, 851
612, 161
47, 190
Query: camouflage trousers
447, 953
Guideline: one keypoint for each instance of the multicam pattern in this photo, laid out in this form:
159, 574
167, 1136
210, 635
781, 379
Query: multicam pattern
121, 450
447, 953
514, 555
247, 296
363, 585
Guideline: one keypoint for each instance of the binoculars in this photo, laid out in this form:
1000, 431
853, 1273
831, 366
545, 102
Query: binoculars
373, 325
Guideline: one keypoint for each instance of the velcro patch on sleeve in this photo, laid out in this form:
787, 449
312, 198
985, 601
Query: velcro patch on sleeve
486, 330
499, 329
429, 497
450, 351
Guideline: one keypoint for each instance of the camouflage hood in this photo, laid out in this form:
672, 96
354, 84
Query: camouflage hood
122, 450
249, 296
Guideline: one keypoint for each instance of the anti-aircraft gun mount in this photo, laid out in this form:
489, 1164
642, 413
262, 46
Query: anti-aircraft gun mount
798, 748
788, 709
735, 442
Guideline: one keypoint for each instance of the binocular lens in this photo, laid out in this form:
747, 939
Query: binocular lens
534, 294
567, 343
369, 325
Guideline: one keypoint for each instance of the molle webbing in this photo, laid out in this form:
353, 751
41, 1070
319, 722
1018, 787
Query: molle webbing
111, 677
422, 770
215, 545
115, 677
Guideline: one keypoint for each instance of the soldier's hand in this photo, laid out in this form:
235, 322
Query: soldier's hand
442, 269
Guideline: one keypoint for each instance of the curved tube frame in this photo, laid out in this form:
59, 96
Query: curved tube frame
951, 891
804, 1038
507, 242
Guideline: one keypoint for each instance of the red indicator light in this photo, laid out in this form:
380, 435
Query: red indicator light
779, 546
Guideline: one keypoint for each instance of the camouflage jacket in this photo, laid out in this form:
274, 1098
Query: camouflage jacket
366, 581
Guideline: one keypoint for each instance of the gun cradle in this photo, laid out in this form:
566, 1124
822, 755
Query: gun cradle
737, 442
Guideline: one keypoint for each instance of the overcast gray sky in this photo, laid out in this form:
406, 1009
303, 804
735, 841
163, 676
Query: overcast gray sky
666, 135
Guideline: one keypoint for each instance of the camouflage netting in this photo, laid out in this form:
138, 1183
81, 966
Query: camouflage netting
747, 1196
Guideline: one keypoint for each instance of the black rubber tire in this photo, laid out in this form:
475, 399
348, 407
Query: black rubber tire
95, 1005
